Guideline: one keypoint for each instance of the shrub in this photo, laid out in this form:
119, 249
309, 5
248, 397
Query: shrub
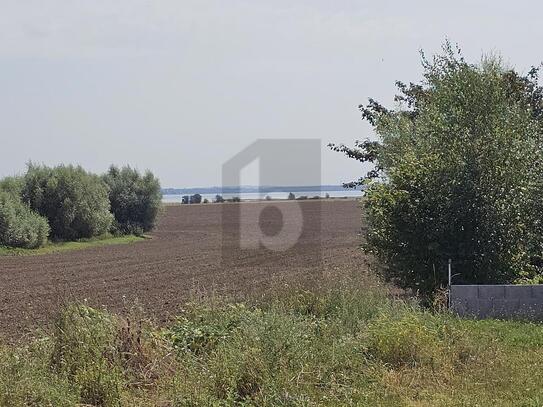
135, 199
19, 225
457, 175
74, 201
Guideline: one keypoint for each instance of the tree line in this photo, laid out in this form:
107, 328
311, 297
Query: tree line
67, 203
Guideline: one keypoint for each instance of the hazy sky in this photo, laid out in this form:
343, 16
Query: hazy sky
180, 86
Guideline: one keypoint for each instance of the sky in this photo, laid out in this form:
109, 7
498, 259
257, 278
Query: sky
182, 86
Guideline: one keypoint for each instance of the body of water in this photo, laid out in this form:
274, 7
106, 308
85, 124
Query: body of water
251, 196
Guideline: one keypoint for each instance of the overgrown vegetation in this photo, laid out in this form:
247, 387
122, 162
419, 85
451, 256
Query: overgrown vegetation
19, 225
457, 175
341, 344
135, 199
69, 204
74, 201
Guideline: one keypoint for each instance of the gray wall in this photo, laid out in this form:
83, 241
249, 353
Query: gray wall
498, 301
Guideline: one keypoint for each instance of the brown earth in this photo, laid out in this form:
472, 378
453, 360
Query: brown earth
184, 258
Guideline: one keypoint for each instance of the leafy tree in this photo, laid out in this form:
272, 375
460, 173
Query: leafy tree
196, 199
135, 199
457, 175
74, 201
19, 225
12, 185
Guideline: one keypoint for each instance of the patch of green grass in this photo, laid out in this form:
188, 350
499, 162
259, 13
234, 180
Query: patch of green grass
340, 344
58, 247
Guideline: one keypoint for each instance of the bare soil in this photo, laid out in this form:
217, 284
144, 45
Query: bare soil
190, 254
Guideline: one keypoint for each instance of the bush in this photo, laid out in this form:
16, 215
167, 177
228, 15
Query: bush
19, 225
74, 201
135, 199
457, 175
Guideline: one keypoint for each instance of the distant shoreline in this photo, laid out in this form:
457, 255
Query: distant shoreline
282, 200
254, 189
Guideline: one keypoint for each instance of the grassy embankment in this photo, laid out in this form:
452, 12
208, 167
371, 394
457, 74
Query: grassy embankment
341, 344
56, 247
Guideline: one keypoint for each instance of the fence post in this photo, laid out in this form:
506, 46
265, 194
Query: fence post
449, 288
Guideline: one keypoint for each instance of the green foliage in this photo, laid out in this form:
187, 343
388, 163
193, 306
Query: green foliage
202, 328
12, 185
339, 344
74, 201
59, 247
84, 352
19, 226
457, 174
135, 199
26, 380
196, 199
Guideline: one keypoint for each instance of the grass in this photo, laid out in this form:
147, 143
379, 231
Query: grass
338, 345
58, 247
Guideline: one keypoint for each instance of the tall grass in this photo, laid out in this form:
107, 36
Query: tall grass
338, 344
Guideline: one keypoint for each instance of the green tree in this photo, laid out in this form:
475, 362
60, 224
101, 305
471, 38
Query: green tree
135, 199
457, 173
74, 201
196, 199
19, 225
12, 185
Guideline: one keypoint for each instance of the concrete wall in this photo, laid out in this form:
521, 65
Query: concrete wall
498, 301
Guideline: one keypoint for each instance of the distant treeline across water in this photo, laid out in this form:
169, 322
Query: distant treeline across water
255, 193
